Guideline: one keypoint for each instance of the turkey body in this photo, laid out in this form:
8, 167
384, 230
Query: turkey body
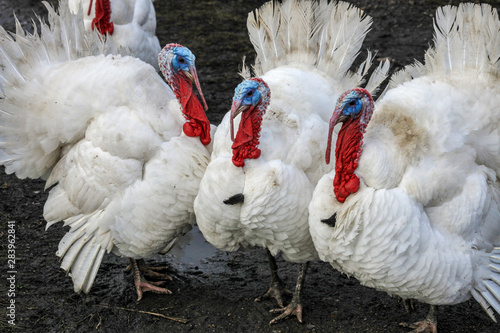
122, 165
441, 204
107, 133
257, 187
277, 184
131, 22
425, 221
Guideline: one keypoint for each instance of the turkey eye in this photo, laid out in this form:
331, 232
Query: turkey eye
181, 60
250, 93
352, 103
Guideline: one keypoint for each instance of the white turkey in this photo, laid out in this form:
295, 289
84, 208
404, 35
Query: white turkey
412, 207
123, 152
257, 187
131, 22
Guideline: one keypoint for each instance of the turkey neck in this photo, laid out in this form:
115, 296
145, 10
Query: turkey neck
247, 139
197, 123
347, 152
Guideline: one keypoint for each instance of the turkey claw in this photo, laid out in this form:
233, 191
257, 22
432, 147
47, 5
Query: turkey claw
291, 309
422, 326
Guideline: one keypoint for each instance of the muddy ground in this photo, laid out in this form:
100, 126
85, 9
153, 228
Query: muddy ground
213, 290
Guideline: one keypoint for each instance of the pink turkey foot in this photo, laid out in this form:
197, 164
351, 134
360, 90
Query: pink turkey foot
141, 284
150, 272
277, 288
295, 306
427, 325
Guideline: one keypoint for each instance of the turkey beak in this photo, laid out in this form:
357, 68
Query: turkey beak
236, 109
193, 77
337, 117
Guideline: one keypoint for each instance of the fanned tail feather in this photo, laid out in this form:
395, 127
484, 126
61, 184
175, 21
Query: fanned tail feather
466, 37
489, 295
324, 35
376, 78
408, 73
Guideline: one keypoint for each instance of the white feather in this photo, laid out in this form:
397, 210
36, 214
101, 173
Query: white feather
315, 34
106, 131
425, 219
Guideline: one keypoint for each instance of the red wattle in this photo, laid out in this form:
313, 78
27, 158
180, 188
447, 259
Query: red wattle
188, 130
347, 153
102, 20
247, 138
197, 122
255, 154
245, 131
352, 184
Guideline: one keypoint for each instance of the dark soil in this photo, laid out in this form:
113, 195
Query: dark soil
214, 294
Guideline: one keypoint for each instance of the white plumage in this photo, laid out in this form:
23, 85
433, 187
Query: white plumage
425, 222
107, 131
304, 52
133, 24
